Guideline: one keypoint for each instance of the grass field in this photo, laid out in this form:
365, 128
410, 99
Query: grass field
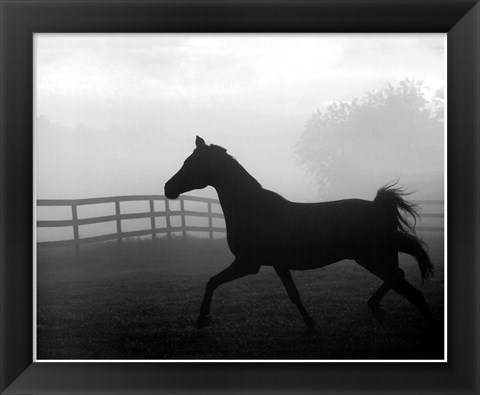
140, 300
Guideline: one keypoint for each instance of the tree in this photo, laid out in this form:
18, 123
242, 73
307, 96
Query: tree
377, 137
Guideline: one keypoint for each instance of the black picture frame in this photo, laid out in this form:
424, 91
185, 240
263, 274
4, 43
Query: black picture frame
19, 19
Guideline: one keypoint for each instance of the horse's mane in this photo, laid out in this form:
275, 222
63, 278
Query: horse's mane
223, 151
218, 149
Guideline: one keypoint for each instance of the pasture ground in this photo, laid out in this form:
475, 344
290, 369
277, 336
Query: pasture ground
140, 300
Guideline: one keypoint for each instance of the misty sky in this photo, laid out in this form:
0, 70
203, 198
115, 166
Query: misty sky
117, 114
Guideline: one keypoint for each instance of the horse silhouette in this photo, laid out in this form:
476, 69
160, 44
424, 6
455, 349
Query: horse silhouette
264, 229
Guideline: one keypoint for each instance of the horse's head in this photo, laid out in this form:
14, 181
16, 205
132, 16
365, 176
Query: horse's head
194, 174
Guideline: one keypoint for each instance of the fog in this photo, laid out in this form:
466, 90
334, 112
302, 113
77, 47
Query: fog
116, 114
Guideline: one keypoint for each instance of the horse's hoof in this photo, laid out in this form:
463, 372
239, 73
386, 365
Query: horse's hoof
202, 322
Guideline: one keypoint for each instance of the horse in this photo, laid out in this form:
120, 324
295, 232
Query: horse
265, 229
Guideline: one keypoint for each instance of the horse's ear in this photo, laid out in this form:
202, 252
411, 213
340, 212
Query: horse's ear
199, 142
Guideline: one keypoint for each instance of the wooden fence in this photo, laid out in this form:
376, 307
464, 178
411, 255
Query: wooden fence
436, 214
76, 222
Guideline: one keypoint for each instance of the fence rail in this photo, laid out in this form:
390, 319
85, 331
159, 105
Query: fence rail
439, 215
76, 222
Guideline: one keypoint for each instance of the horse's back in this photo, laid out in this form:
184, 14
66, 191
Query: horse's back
330, 217
304, 235
336, 230
285, 219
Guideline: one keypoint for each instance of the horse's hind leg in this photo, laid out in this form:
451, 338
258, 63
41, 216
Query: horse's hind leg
376, 298
399, 284
292, 292
414, 296
232, 272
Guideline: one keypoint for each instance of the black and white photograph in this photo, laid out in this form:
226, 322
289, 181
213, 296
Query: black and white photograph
258, 197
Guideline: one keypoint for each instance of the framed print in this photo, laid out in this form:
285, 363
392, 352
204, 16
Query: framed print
112, 256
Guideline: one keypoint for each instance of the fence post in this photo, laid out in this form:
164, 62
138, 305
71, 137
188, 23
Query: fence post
75, 229
210, 220
119, 221
152, 219
167, 218
182, 216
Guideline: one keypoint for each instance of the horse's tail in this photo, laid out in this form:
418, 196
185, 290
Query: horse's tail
411, 244
388, 204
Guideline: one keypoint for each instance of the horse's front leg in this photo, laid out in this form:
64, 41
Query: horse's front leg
234, 271
287, 281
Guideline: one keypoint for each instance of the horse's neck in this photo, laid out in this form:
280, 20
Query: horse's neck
236, 188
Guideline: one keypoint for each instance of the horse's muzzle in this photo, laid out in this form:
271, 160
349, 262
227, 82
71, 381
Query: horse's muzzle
169, 192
